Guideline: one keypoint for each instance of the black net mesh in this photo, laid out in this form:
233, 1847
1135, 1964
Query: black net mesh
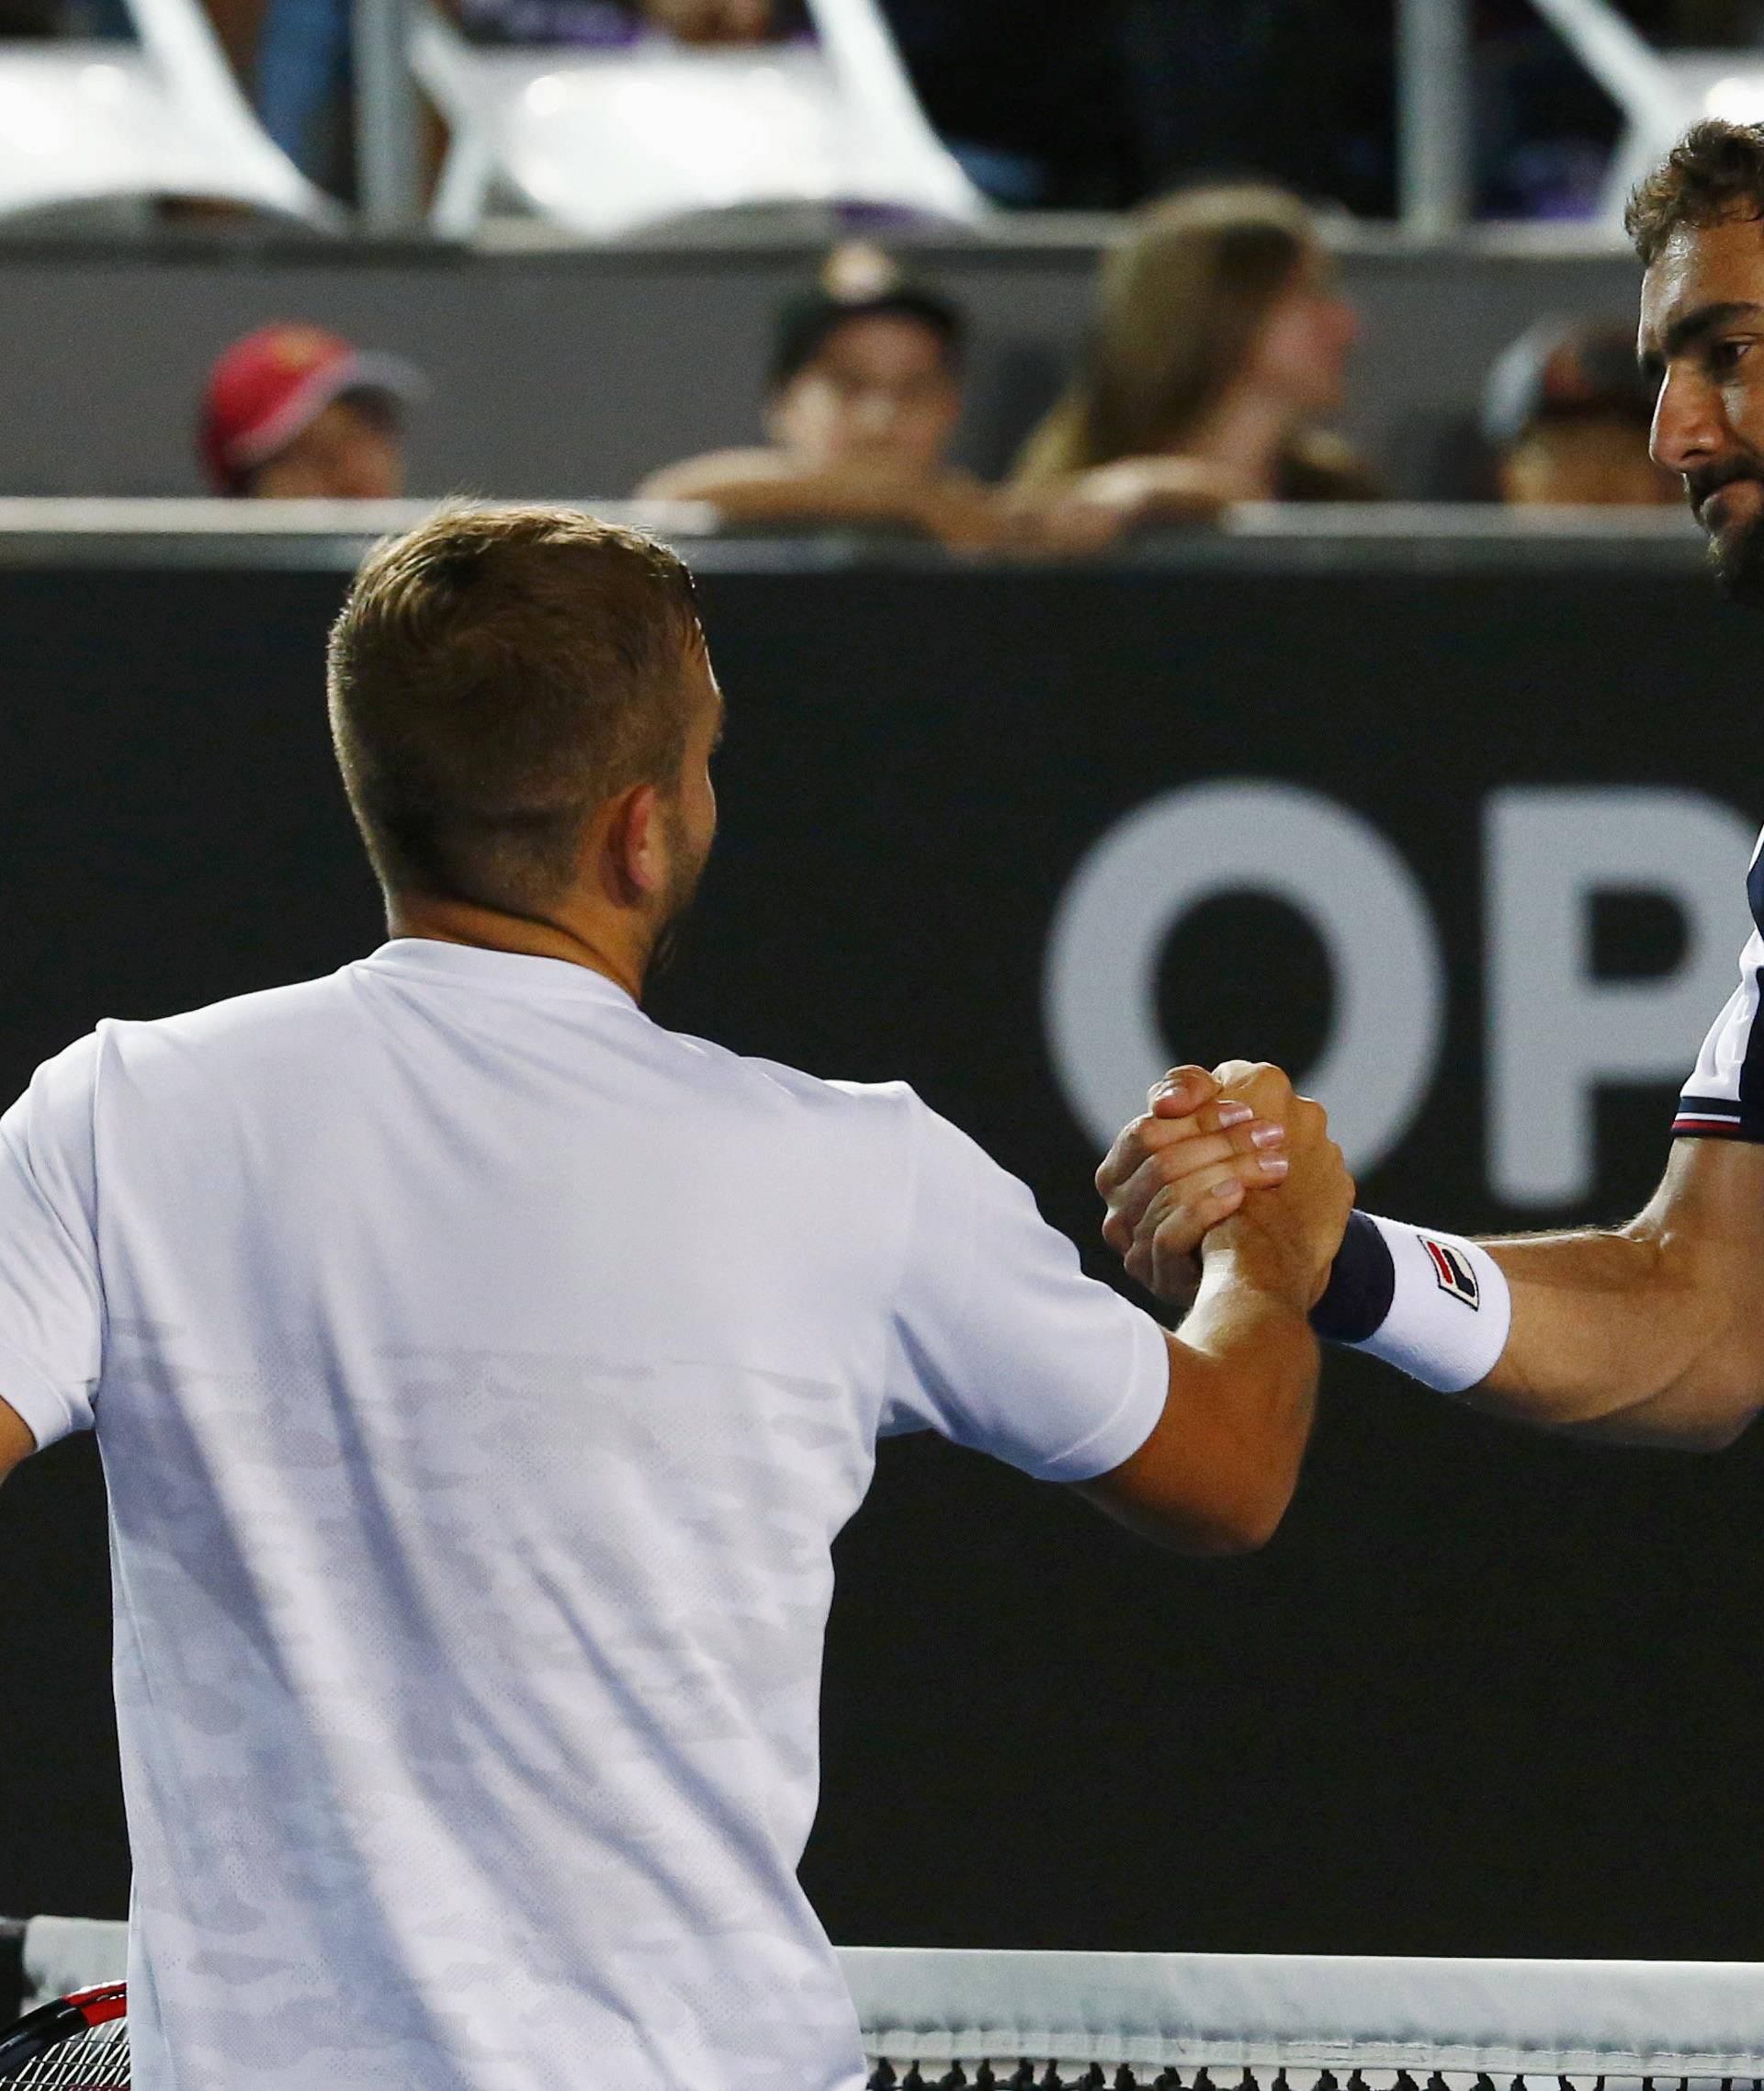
96, 2061
1028, 2075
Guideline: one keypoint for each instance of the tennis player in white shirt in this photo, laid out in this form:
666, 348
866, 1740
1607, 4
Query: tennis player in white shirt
482, 1372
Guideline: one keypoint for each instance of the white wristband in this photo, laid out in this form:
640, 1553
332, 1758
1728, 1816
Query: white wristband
1434, 1306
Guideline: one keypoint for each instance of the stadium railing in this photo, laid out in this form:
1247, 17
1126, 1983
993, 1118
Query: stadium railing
318, 534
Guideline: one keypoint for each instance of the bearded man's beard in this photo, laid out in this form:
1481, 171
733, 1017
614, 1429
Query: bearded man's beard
1736, 556
1737, 560
676, 902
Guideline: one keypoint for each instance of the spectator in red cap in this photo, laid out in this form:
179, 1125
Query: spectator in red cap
294, 413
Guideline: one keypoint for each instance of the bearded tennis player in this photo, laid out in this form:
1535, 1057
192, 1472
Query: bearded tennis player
482, 1374
1652, 1333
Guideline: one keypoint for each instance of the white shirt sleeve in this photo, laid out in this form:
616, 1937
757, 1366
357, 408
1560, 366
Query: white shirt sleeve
52, 1306
999, 1341
1724, 1099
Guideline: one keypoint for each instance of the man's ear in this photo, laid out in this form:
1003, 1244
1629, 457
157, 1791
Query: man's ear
634, 848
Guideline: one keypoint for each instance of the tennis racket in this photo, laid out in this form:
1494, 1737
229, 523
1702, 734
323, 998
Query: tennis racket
78, 2043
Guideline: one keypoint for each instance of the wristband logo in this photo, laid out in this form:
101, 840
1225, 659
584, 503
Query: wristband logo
1454, 1272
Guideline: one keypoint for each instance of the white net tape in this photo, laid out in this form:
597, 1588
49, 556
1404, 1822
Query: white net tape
1294, 2022
1238, 2022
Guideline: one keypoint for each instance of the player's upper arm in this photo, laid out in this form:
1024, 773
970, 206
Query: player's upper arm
997, 1338
52, 1300
16, 1440
1704, 1228
1693, 1262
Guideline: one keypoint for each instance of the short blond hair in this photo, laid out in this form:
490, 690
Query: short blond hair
494, 676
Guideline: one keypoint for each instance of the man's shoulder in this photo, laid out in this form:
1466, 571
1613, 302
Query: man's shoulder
174, 1058
275, 1021
296, 1003
886, 1118
771, 1084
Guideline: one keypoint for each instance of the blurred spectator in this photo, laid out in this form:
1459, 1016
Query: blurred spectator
715, 21
863, 400
294, 413
601, 23
1544, 129
1220, 343
1566, 413
1101, 103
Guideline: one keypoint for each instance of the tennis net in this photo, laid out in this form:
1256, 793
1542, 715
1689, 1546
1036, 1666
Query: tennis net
1277, 2022
1022, 2021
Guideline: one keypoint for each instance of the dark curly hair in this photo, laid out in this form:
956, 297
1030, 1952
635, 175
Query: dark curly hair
1714, 173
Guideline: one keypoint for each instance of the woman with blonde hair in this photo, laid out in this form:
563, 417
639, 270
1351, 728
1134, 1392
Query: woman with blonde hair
1220, 343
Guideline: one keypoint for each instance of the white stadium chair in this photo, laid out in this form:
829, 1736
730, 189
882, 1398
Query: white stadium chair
606, 143
89, 122
1661, 93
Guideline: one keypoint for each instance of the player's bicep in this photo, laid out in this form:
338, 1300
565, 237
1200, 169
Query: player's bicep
1706, 1223
999, 1340
1656, 1330
51, 1304
17, 1441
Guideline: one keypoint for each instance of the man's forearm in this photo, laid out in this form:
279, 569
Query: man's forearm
1217, 1472
1255, 1367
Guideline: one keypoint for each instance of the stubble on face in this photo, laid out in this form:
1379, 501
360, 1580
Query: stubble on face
1735, 546
675, 904
689, 836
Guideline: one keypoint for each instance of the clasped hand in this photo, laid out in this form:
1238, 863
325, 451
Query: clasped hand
1233, 1159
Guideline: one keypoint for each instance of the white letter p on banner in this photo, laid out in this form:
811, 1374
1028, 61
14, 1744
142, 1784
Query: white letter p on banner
1555, 1031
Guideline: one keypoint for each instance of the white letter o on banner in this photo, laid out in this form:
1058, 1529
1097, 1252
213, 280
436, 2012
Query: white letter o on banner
1099, 991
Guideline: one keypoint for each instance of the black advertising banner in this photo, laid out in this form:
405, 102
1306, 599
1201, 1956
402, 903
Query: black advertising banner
1466, 847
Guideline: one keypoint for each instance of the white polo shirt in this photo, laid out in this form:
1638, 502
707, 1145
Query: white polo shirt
481, 1375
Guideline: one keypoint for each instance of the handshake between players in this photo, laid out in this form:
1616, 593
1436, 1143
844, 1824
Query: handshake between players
1650, 1333
1187, 1174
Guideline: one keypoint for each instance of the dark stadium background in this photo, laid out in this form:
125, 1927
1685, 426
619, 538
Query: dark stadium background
1485, 1693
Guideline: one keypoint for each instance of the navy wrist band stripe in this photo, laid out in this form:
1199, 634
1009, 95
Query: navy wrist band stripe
1362, 1285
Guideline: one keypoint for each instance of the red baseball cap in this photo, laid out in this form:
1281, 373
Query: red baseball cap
266, 388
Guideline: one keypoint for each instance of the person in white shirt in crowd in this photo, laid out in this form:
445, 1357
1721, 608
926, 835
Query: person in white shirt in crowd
482, 1372
863, 400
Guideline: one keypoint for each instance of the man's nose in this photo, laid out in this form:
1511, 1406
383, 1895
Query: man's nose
1689, 426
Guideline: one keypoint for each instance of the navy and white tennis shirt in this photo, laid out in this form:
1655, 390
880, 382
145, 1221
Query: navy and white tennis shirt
1725, 1099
